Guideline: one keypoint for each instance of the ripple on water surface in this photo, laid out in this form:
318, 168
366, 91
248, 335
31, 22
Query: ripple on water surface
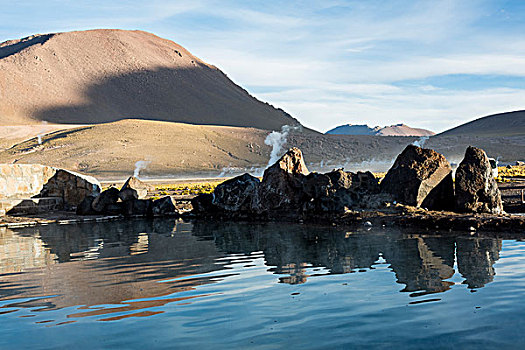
170, 284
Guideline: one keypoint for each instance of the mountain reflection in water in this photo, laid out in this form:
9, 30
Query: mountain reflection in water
112, 270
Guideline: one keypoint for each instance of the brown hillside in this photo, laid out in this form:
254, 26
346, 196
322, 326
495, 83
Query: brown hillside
500, 135
496, 125
177, 149
98, 76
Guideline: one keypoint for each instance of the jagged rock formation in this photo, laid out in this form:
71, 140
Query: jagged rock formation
420, 177
33, 188
476, 188
338, 191
281, 187
288, 189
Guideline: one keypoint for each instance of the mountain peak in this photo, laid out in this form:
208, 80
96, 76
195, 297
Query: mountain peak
104, 75
392, 130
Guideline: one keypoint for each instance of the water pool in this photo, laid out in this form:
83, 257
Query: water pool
169, 284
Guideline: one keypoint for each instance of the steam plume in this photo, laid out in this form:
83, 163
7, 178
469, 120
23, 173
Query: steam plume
421, 141
41, 133
277, 140
140, 165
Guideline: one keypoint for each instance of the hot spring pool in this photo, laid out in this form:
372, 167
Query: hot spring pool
168, 284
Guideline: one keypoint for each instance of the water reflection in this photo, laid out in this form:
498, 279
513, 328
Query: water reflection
120, 264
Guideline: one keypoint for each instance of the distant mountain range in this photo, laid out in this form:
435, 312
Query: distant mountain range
392, 130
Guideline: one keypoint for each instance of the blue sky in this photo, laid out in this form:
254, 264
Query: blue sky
430, 64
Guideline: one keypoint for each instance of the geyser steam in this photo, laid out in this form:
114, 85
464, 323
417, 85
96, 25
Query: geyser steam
41, 133
140, 165
421, 141
277, 140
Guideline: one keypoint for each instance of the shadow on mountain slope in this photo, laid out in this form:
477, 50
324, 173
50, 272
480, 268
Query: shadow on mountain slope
200, 95
11, 49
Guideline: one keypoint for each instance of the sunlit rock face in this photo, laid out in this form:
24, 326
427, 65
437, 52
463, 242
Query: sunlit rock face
281, 187
133, 188
476, 188
22, 184
420, 177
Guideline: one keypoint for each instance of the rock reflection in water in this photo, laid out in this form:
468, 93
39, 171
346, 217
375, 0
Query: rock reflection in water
109, 263
423, 263
116, 263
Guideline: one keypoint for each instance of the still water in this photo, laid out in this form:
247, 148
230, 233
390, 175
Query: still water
169, 284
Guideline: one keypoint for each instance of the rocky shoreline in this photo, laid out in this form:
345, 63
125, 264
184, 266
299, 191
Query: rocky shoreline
419, 191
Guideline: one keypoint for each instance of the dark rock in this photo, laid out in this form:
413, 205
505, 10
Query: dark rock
282, 184
84, 207
319, 194
203, 203
364, 183
107, 197
338, 190
237, 194
127, 194
163, 206
317, 185
133, 188
420, 177
441, 197
476, 188
139, 207
114, 209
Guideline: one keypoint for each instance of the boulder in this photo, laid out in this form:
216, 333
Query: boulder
203, 203
338, 190
163, 206
107, 197
364, 183
317, 185
237, 194
476, 188
114, 209
84, 207
420, 177
139, 207
282, 184
319, 194
133, 188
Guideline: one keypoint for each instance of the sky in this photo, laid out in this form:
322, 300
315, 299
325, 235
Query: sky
429, 64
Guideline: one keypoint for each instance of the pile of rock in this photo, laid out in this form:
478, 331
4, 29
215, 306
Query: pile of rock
130, 200
419, 177
288, 189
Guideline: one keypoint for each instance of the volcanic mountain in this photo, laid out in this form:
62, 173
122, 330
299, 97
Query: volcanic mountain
500, 135
392, 130
99, 76
496, 125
